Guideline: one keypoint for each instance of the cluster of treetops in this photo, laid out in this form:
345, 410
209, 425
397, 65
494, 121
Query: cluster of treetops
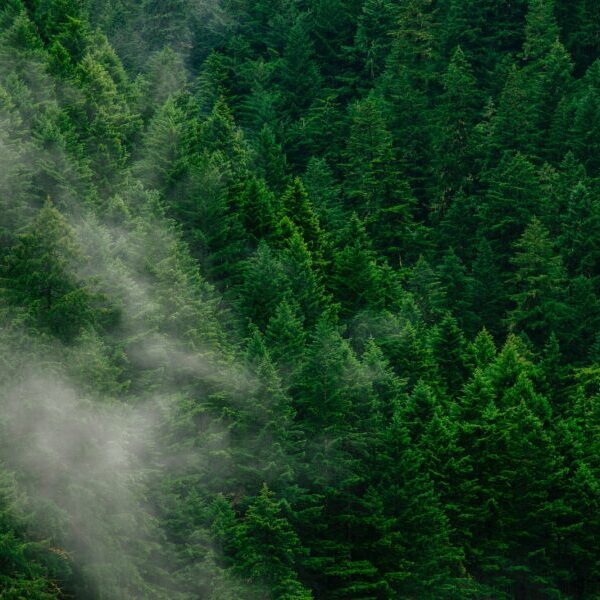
386, 211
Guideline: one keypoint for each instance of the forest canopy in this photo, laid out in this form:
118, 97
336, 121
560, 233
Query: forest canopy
299, 299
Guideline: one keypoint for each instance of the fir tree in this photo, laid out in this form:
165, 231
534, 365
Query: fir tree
538, 300
457, 116
39, 275
356, 277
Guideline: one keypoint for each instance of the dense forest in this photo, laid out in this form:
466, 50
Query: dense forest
299, 299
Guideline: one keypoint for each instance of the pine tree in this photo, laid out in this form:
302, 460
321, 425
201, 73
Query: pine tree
503, 431
582, 318
304, 282
481, 352
286, 338
268, 549
333, 26
298, 208
407, 118
449, 347
421, 557
456, 282
387, 385
324, 194
373, 35
166, 23
162, 146
457, 116
533, 91
271, 161
219, 133
487, 294
418, 410
200, 202
411, 356
427, 291
370, 173
577, 241
107, 119
299, 75
539, 278
259, 210
16, 178
413, 41
39, 276
586, 120
264, 286
488, 31
395, 230
165, 74
514, 195
264, 434
28, 568
355, 280
578, 24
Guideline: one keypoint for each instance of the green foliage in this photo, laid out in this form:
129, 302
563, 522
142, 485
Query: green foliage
356, 278
299, 299
270, 548
457, 116
539, 280
38, 276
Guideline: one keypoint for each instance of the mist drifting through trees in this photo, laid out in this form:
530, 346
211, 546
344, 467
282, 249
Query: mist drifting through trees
299, 299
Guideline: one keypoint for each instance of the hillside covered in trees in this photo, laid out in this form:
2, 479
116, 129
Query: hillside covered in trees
299, 299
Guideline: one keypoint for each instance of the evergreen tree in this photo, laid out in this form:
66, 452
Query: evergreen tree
286, 338
413, 41
162, 142
381, 192
299, 209
166, 23
370, 170
538, 300
356, 277
271, 160
407, 113
373, 35
514, 195
448, 347
532, 92
201, 203
264, 286
457, 116
488, 31
578, 240
456, 281
268, 549
259, 210
577, 24
39, 276
324, 194
427, 291
305, 287
487, 294
299, 75
585, 120
416, 565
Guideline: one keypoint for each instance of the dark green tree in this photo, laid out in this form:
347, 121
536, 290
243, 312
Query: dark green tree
355, 281
539, 305
39, 277
456, 118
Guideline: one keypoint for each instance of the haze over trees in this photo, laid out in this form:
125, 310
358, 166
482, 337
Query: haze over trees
299, 299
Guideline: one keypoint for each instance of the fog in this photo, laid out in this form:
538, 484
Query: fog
89, 435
